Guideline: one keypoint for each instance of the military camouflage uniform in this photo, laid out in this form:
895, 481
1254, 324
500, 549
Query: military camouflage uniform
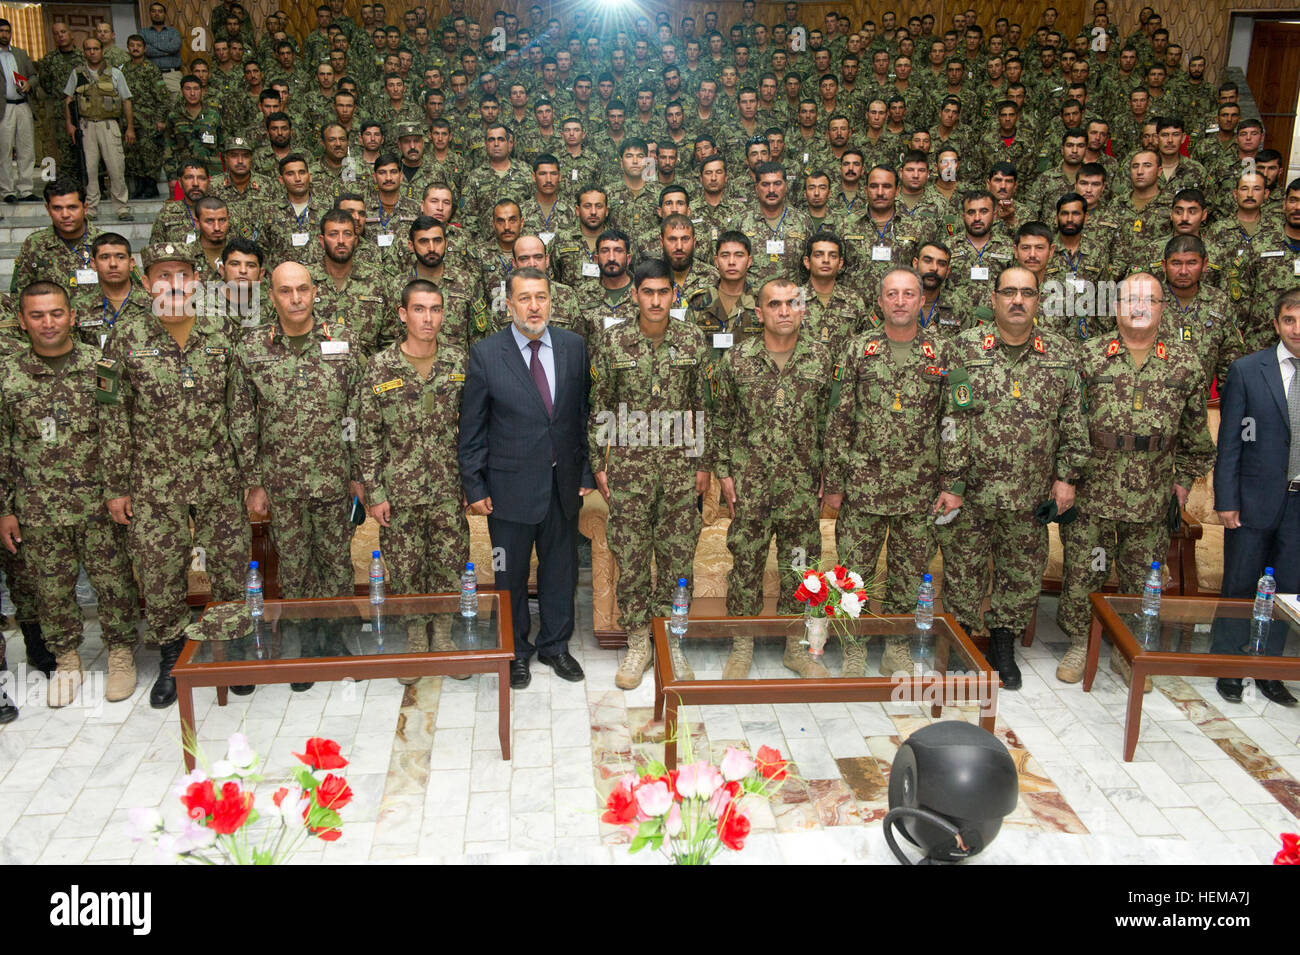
890, 453
293, 417
775, 460
652, 505
602, 309
1071, 303
981, 268
166, 440
282, 231
783, 256
1026, 430
1147, 427
45, 255
149, 106
723, 330
52, 481
484, 187
52, 73
96, 320
836, 322
1208, 326
364, 307
175, 224
245, 207
197, 137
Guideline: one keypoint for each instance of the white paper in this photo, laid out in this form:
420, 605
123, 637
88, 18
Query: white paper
590, 270
300, 239
776, 247
333, 348
87, 277
385, 239
880, 253
546, 237
677, 313
979, 273
723, 339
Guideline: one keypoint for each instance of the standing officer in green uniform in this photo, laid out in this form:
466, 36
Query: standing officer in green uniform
897, 449
149, 101
51, 483
770, 464
1027, 445
194, 131
1144, 407
656, 367
169, 460
52, 72
409, 426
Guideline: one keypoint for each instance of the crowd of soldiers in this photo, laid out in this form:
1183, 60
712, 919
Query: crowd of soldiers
951, 284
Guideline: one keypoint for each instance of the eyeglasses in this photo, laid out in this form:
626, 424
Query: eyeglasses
1010, 293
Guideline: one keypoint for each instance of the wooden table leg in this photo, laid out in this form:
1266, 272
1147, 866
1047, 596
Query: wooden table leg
1094, 650
1133, 718
223, 695
670, 732
185, 703
503, 708
989, 704
659, 690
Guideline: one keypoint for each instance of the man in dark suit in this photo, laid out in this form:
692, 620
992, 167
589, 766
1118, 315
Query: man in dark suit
1257, 482
523, 463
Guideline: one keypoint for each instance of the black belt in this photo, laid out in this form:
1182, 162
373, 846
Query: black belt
16, 102
1110, 441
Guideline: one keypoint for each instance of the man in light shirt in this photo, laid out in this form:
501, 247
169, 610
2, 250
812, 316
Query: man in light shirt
16, 121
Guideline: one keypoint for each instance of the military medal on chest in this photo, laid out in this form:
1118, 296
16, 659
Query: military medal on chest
187, 377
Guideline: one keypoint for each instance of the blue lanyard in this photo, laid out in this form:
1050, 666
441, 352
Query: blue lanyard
82, 251
979, 254
1072, 261
302, 219
880, 233
930, 314
848, 205
384, 219
779, 223
110, 321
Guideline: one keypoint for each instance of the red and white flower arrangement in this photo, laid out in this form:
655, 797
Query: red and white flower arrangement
838, 594
692, 813
222, 810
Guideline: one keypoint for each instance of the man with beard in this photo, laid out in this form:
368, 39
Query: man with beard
834, 311
687, 271
245, 193
530, 253
1028, 445
544, 212
891, 238
176, 222
942, 311
493, 263
287, 236
673, 200
574, 254
979, 253
1079, 265
279, 144
609, 300
464, 307
353, 294
1204, 314
293, 410
213, 218
1009, 212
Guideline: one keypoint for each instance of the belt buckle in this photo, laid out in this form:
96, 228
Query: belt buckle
1293, 486
1141, 442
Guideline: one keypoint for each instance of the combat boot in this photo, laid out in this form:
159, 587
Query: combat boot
798, 659
417, 641
740, 659
855, 659
66, 679
38, 654
1005, 642
121, 674
639, 657
443, 642
1120, 667
681, 669
163, 693
897, 657
1070, 669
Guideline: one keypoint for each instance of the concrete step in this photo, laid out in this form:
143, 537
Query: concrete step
32, 214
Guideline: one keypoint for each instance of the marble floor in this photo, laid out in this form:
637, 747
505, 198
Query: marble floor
1211, 781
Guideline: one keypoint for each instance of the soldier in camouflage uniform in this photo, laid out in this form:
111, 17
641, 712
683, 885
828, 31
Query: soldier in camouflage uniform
1078, 265
168, 455
888, 238
1139, 213
979, 253
116, 299
176, 222
287, 233
1196, 313
501, 177
409, 425
658, 367
354, 295
50, 480
1028, 445
149, 104
293, 418
52, 73
245, 193
776, 229
194, 131
727, 313
770, 465
1144, 408
61, 251
834, 311
893, 461
1273, 270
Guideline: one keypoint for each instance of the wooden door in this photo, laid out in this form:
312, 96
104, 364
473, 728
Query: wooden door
1274, 77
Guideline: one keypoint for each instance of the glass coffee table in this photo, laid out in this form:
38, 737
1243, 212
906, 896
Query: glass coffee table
307, 641
1191, 636
947, 668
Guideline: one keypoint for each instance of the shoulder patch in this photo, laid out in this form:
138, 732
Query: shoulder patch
871, 349
388, 385
1113, 348
1161, 352
988, 342
1038, 345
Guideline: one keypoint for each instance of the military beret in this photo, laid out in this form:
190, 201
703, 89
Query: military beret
409, 129
165, 252
237, 143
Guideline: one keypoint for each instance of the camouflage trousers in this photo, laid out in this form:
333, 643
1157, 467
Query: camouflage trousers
761, 513
860, 536
1091, 546
18, 580
54, 556
313, 539
425, 547
145, 158
652, 517
1017, 545
163, 549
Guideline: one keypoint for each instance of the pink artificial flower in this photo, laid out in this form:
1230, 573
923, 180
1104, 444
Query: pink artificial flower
736, 764
653, 798
673, 824
699, 779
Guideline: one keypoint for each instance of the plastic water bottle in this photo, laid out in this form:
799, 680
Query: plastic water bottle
1264, 591
469, 592
681, 608
253, 592
1151, 591
925, 604
376, 579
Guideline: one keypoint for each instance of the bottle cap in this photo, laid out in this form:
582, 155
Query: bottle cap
1155, 565
1268, 571
252, 565
681, 581
927, 579
374, 553
469, 566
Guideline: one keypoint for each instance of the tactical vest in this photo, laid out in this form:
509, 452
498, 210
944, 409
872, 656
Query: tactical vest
97, 99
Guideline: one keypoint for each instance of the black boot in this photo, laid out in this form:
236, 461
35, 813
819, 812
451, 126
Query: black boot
149, 189
163, 693
8, 711
1002, 643
38, 654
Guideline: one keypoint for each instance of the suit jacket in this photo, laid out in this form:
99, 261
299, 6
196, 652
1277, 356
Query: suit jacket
1250, 472
507, 442
28, 69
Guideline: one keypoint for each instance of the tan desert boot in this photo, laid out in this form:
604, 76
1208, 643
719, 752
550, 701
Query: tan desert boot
66, 678
740, 659
798, 659
121, 674
638, 659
